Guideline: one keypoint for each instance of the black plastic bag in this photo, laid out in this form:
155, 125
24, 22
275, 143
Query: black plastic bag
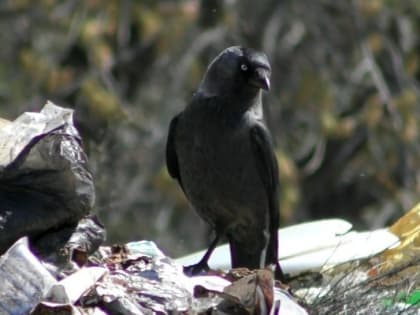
45, 183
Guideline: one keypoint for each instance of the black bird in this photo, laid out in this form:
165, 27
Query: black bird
221, 153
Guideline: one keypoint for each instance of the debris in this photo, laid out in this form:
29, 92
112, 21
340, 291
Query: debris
407, 228
141, 280
50, 308
71, 288
133, 279
24, 280
88, 235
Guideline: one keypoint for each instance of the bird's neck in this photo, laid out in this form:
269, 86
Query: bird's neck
243, 103
235, 101
234, 110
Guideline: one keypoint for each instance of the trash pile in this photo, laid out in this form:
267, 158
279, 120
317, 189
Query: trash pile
132, 279
52, 261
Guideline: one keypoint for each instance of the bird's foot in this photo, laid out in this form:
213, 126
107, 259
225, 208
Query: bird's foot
197, 269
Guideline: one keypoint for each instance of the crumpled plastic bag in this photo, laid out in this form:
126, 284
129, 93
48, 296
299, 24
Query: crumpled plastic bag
45, 183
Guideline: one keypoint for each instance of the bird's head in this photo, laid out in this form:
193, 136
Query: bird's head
237, 71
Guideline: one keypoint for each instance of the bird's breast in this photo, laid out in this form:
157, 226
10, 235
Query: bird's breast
219, 171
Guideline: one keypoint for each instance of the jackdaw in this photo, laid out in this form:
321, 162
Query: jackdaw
221, 153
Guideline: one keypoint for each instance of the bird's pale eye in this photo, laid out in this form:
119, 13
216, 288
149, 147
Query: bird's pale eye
244, 67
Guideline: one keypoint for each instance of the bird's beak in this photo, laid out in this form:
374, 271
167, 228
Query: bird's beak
261, 78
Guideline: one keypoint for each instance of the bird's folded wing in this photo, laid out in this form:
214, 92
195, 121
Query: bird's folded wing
266, 164
171, 156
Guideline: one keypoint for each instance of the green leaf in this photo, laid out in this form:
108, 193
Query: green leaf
413, 298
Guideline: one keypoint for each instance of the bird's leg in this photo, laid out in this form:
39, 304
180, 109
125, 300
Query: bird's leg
278, 273
202, 266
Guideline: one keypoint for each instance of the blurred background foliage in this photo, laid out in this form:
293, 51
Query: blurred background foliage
343, 108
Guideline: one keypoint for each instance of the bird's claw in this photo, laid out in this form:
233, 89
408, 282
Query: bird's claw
196, 269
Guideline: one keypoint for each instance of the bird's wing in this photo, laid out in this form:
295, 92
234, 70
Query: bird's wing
171, 156
266, 163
